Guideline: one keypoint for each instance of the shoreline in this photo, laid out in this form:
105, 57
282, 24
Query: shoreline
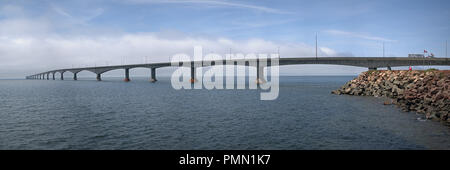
425, 92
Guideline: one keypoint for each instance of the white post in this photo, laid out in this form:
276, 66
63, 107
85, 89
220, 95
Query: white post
316, 45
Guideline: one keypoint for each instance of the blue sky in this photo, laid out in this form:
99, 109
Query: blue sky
87, 32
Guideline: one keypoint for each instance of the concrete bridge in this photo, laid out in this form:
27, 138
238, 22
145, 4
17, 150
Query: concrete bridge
372, 63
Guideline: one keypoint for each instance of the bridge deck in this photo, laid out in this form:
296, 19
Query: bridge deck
368, 62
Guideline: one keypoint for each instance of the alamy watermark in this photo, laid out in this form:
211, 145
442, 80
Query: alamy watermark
190, 75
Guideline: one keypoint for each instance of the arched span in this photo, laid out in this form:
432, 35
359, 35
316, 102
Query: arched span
104, 70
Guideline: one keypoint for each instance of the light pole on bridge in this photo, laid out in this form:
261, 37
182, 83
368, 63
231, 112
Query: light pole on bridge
316, 46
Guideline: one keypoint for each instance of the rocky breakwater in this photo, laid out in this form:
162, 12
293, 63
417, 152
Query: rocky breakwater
426, 92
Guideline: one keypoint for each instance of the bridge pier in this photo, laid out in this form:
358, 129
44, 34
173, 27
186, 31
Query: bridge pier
48, 76
75, 76
127, 75
53, 75
372, 68
153, 78
259, 74
99, 77
62, 75
193, 80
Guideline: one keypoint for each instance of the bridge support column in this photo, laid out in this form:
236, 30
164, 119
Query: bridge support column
259, 74
127, 75
153, 78
53, 75
48, 76
389, 68
99, 77
372, 68
62, 75
193, 80
75, 76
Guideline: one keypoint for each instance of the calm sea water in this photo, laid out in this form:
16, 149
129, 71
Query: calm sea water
86, 114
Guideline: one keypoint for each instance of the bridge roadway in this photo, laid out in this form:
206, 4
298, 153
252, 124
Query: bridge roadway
372, 63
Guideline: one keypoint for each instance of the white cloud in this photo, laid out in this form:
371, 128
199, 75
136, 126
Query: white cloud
78, 19
358, 35
52, 51
216, 3
61, 11
328, 51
